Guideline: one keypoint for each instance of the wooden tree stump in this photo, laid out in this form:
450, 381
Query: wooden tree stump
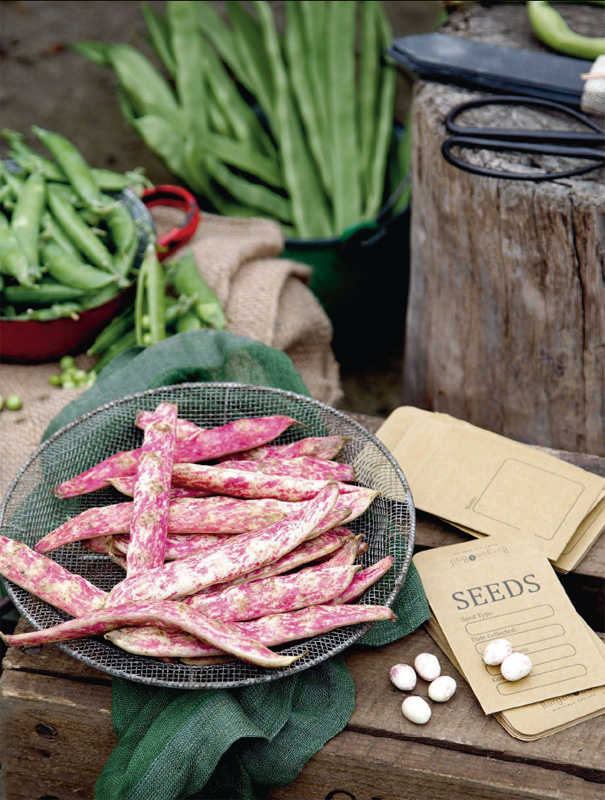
506, 312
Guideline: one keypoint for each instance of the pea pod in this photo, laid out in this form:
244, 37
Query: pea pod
550, 27
104, 295
27, 217
125, 342
51, 231
120, 224
124, 259
28, 159
155, 295
186, 279
42, 294
77, 230
74, 166
56, 311
12, 258
71, 272
188, 322
114, 331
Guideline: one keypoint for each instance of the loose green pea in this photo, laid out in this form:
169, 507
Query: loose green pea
55, 380
14, 402
80, 375
67, 362
69, 385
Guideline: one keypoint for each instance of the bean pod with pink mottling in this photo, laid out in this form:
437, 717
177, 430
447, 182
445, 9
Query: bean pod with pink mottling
273, 630
326, 447
48, 580
202, 446
315, 469
149, 520
363, 580
126, 486
182, 578
226, 638
242, 434
188, 515
311, 587
180, 545
237, 483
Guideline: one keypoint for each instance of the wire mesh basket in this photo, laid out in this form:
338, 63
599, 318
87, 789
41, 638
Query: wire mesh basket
30, 511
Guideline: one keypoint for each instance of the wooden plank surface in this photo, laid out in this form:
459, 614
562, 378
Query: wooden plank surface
45, 687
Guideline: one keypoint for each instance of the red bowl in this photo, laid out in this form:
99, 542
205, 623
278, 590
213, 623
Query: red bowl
30, 341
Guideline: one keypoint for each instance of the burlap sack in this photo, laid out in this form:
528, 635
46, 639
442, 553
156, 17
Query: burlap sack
264, 297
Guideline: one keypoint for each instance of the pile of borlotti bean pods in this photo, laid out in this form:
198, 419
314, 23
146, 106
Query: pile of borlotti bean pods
222, 559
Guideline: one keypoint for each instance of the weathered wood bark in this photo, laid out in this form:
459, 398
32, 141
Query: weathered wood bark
506, 312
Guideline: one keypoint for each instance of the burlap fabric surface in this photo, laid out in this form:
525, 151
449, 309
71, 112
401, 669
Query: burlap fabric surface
264, 297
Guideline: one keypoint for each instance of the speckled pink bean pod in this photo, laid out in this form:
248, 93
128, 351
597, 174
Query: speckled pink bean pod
315, 469
357, 500
226, 638
184, 428
202, 446
180, 546
347, 554
273, 630
149, 520
242, 434
310, 550
311, 587
237, 483
48, 580
364, 579
99, 544
326, 447
126, 486
188, 515
182, 578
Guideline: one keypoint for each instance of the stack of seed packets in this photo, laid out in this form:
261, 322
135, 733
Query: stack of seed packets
486, 484
503, 587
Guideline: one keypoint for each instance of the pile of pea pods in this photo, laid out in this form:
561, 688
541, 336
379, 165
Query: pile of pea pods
67, 245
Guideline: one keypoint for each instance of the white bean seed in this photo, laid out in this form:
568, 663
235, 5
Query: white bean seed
403, 677
427, 666
516, 666
416, 710
441, 689
497, 651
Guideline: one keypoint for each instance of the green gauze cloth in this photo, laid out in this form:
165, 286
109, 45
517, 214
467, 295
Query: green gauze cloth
176, 744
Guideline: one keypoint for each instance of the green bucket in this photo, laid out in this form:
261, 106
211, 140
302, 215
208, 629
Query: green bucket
361, 279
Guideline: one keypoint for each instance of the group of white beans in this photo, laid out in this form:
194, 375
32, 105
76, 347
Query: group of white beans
513, 666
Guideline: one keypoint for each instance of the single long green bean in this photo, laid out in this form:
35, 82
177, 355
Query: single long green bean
369, 82
310, 212
186, 44
346, 193
313, 13
384, 130
97, 52
27, 217
300, 75
251, 194
218, 121
71, 272
77, 230
221, 37
166, 141
74, 166
160, 37
241, 155
254, 58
